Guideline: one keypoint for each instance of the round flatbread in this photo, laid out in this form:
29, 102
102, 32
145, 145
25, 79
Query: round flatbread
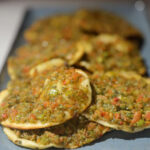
111, 52
95, 21
29, 56
83, 23
122, 101
48, 98
72, 134
50, 29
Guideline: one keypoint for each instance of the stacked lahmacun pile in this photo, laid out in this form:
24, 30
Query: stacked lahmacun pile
78, 77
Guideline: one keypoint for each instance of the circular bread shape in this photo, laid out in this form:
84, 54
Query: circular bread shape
105, 22
109, 52
122, 101
49, 64
56, 62
54, 28
61, 92
29, 56
67, 135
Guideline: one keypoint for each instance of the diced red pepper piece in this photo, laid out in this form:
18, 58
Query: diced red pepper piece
46, 104
136, 117
54, 105
33, 116
147, 116
117, 115
105, 115
121, 123
115, 100
139, 99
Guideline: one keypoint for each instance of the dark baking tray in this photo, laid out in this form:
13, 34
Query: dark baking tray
114, 140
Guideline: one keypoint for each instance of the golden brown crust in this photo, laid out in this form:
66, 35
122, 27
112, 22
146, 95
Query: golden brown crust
72, 134
25, 143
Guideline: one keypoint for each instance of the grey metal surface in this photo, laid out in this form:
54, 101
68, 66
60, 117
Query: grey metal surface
114, 140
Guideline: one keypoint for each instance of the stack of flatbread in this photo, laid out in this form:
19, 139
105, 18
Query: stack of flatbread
79, 76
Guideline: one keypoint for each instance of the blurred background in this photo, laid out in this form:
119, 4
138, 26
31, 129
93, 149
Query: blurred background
12, 12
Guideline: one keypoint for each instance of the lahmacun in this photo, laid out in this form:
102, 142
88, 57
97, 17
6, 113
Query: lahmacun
49, 97
122, 101
72, 134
